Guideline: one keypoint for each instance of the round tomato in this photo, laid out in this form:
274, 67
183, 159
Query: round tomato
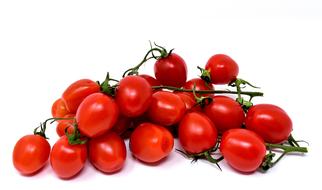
200, 85
197, 133
96, 115
171, 70
151, 80
107, 152
269, 121
59, 109
166, 108
30, 154
150, 143
67, 160
77, 92
188, 101
133, 96
243, 149
222, 68
225, 113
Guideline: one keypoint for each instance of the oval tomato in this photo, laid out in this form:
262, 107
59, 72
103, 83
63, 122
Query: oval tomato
188, 101
225, 113
133, 96
77, 92
107, 152
197, 133
243, 149
171, 70
151, 80
151, 143
200, 85
123, 123
269, 121
67, 160
30, 154
59, 109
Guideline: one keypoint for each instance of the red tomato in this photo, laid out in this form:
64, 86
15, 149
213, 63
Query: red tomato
122, 124
200, 85
107, 152
133, 96
269, 121
96, 115
30, 154
171, 70
166, 108
77, 92
222, 68
243, 149
59, 109
63, 124
150, 143
151, 80
197, 133
225, 113
188, 101
67, 160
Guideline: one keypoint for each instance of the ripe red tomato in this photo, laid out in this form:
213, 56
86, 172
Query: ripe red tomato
151, 80
30, 154
122, 124
269, 121
222, 68
96, 115
59, 109
197, 133
166, 108
243, 149
150, 143
171, 70
133, 96
67, 160
77, 92
63, 124
188, 101
107, 152
200, 85
225, 113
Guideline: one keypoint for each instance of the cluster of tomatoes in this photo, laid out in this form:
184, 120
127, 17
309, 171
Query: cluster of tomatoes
94, 119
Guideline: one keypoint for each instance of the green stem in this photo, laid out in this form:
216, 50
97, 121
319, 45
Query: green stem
287, 149
213, 160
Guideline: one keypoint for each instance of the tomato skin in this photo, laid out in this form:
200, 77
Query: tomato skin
133, 96
243, 149
30, 154
188, 101
166, 108
151, 80
222, 68
61, 127
67, 160
270, 122
225, 113
151, 143
171, 70
77, 92
59, 109
107, 152
200, 85
122, 124
96, 115
197, 133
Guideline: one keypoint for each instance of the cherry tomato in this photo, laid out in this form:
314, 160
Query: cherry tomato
269, 121
171, 70
197, 133
107, 152
122, 124
222, 68
77, 92
59, 109
67, 160
133, 96
225, 113
188, 101
96, 115
150, 143
30, 154
200, 85
166, 108
243, 149
151, 80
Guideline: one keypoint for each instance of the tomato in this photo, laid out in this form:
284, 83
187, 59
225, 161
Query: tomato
30, 154
188, 101
59, 109
243, 149
96, 114
77, 92
197, 133
225, 113
67, 160
171, 70
63, 124
222, 68
269, 121
122, 124
151, 80
133, 96
107, 152
166, 108
151, 143
200, 85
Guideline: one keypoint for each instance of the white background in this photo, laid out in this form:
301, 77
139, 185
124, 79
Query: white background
46, 45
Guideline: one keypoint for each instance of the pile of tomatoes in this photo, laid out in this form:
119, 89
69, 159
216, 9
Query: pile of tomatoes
93, 120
